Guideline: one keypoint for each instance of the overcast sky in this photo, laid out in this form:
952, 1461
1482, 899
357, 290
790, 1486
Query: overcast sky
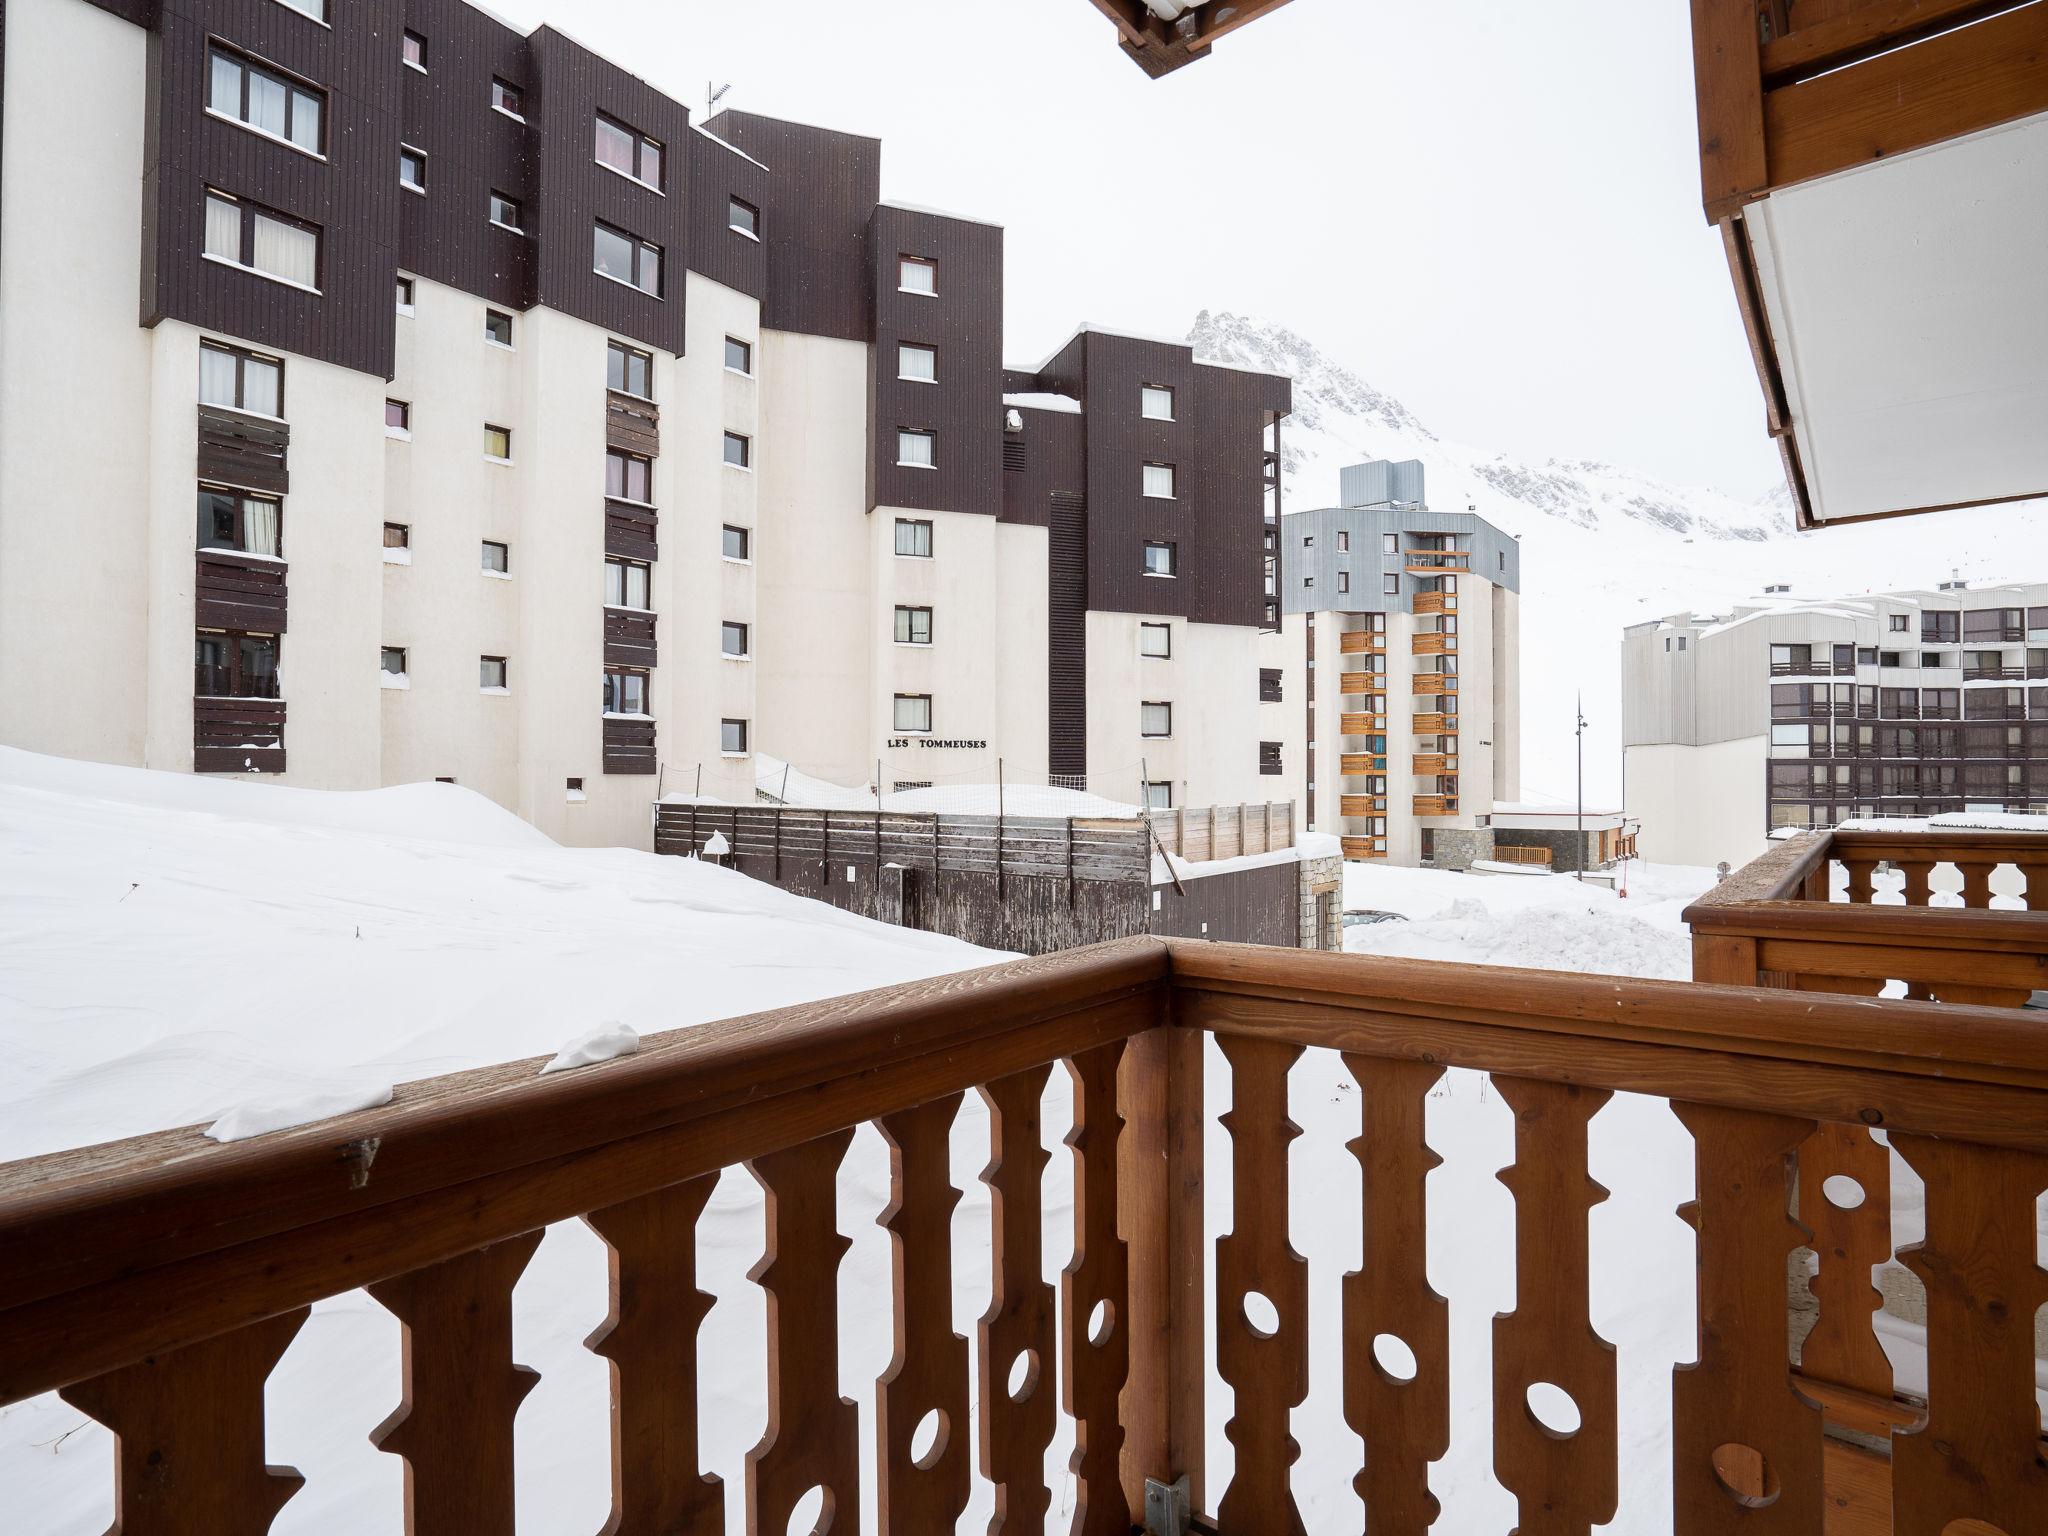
1487, 207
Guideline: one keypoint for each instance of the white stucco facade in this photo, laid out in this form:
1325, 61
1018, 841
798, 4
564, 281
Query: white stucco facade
1698, 805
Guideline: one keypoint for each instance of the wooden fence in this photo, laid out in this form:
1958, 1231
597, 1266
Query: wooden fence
1225, 831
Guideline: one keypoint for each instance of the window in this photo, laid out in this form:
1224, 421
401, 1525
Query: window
914, 712
627, 259
1160, 559
508, 98
914, 537
391, 660
626, 476
732, 737
1155, 639
625, 584
628, 370
1159, 480
397, 418
916, 449
743, 218
1896, 623
231, 665
262, 99
412, 168
1343, 542
498, 444
628, 152
1308, 541
497, 327
915, 274
1269, 757
505, 212
913, 626
317, 9
739, 355
1155, 402
1390, 585
1391, 543
732, 640
414, 51
919, 364
1308, 581
574, 791
1269, 685
240, 381
246, 235
1155, 719
490, 672
497, 558
234, 520
1158, 794
625, 692
397, 536
405, 296
1343, 581
739, 450
738, 543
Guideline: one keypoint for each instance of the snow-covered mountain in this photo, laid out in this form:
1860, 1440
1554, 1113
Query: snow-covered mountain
1339, 418
1605, 546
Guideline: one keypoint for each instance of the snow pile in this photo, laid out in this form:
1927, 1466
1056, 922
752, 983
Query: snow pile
1981, 821
280, 1112
1557, 938
605, 1043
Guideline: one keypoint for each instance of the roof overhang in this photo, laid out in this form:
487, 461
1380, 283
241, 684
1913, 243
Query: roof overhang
1163, 35
1881, 183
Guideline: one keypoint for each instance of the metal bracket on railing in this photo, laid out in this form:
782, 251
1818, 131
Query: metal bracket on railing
1166, 1508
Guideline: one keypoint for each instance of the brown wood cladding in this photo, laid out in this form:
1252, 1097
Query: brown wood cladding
1054, 456
963, 324
719, 173
628, 639
233, 591
244, 451
629, 531
631, 424
238, 736
629, 746
1066, 632
815, 209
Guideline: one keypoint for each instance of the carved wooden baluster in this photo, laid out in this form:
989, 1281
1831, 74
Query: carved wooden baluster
813, 1434
453, 1427
1976, 875
927, 1492
1746, 1447
1016, 1427
1565, 1482
1978, 1455
1842, 1347
1268, 1370
650, 1338
2036, 875
188, 1426
1405, 1423
1095, 1353
1919, 877
1859, 872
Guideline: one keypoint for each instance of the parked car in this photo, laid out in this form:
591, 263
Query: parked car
1361, 917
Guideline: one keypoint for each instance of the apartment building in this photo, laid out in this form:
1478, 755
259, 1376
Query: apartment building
497, 378
1398, 688
1791, 713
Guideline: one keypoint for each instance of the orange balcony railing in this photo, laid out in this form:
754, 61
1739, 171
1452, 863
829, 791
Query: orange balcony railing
1436, 805
1360, 642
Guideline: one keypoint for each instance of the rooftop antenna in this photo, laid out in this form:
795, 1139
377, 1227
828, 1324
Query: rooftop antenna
713, 95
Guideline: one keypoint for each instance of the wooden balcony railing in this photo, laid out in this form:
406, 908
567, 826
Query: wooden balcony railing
1359, 642
1356, 724
1434, 682
1436, 805
1436, 561
1431, 724
1436, 602
1363, 848
1432, 645
156, 1282
1432, 763
1504, 853
1361, 805
1352, 684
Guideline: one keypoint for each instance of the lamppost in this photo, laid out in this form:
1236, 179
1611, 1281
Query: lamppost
1579, 731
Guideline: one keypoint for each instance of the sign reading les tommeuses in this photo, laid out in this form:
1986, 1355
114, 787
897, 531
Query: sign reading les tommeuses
927, 741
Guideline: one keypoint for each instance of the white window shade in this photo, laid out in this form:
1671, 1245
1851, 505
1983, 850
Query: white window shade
1156, 403
914, 276
913, 712
918, 363
216, 377
223, 228
1156, 719
1159, 480
286, 251
915, 449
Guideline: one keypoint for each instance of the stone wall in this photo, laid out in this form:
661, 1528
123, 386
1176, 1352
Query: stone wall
1321, 877
1458, 847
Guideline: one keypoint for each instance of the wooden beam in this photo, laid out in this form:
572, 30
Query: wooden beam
1869, 28
1728, 84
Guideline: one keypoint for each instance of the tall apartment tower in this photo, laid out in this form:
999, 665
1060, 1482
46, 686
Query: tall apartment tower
497, 379
1401, 632
1792, 713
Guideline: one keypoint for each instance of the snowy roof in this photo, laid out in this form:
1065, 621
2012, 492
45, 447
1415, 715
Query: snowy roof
723, 144
1309, 845
939, 213
1045, 401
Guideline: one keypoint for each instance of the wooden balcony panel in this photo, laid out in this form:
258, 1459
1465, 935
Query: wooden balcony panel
1352, 764
1361, 805
1357, 724
1359, 642
1436, 805
1430, 764
631, 424
241, 450
629, 637
629, 745
232, 590
1433, 645
238, 735
1352, 684
1436, 602
1362, 848
1434, 682
629, 530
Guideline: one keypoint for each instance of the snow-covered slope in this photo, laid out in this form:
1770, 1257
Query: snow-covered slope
1605, 546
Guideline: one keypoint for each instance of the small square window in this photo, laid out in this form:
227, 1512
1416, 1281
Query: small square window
574, 791
1390, 585
919, 364
498, 327
414, 51
1155, 639
1158, 797
505, 213
732, 640
1343, 581
739, 355
1160, 559
1159, 481
914, 712
405, 296
1898, 623
916, 449
498, 444
739, 450
732, 737
737, 543
398, 418
497, 557
914, 537
508, 98
1155, 401
915, 274
913, 626
392, 660
397, 536
1155, 719
628, 370
412, 168
490, 672
1391, 543
1343, 542
742, 217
